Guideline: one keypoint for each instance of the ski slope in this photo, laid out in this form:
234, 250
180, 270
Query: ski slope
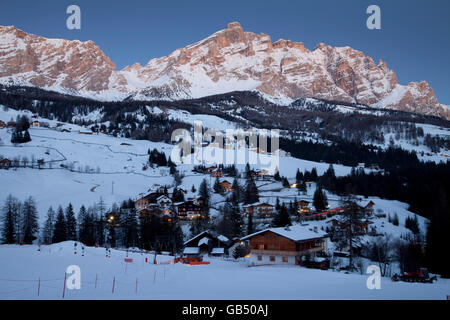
22, 266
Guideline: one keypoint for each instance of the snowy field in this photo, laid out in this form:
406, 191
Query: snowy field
102, 166
23, 266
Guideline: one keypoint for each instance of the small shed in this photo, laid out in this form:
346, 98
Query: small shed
218, 252
191, 252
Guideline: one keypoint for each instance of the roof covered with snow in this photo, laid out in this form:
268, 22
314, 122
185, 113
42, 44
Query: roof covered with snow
204, 240
211, 234
295, 233
217, 251
191, 250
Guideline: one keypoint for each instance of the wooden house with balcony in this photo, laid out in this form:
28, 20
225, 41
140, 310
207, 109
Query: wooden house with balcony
225, 186
189, 210
286, 245
259, 210
303, 207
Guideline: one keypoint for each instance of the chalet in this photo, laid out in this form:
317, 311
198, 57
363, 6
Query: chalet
35, 123
191, 252
155, 199
218, 173
209, 242
225, 186
369, 207
2, 124
5, 163
210, 169
218, 252
164, 201
286, 245
303, 206
188, 210
259, 209
167, 215
361, 227
11, 124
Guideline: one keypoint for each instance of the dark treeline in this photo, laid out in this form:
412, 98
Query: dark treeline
424, 186
350, 153
123, 117
118, 226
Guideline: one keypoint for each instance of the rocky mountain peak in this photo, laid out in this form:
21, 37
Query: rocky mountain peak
229, 60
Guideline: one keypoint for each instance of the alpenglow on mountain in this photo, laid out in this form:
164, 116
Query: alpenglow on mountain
229, 60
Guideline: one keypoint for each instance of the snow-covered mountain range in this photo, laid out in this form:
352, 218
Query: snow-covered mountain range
229, 60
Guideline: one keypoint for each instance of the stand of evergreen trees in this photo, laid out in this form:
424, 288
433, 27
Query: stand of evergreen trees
118, 227
19, 221
20, 133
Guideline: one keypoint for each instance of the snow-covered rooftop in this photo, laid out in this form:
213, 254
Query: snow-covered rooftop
217, 251
204, 240
295, 233
191, 250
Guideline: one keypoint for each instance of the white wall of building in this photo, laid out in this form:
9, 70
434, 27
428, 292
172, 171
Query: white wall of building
265, 259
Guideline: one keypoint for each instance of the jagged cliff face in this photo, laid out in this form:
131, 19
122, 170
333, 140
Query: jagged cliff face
53, 63
229, 60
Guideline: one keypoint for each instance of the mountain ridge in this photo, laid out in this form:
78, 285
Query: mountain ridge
229, 60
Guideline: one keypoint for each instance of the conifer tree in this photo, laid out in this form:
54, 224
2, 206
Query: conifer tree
10, 219
320, 201
60, 231
205, 194
71, 223
395, 221
285, 182
251, 194
236, 193
49, 224
86, 227
250, 227
282, 218
216, 186
30, 220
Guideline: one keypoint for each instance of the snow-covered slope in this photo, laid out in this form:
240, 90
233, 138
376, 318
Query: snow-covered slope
220, 280
95, 166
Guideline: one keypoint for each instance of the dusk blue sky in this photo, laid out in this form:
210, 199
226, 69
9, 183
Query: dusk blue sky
414, 39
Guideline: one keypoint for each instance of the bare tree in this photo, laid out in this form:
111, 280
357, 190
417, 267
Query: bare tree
348, 229
381, 251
